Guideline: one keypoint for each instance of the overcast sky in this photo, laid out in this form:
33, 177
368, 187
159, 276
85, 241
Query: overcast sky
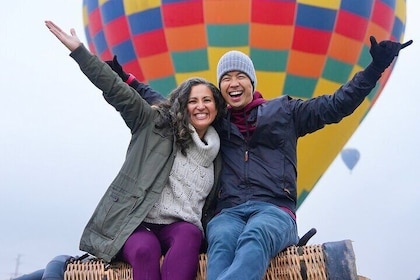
61, 145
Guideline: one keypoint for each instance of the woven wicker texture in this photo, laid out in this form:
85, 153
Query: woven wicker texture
306, 262
98, 270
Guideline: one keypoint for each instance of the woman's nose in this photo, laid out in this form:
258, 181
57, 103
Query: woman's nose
200, 105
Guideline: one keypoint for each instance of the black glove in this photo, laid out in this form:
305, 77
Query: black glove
116, 66
383, 53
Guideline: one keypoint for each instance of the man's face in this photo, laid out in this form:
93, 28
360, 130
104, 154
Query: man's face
236, 88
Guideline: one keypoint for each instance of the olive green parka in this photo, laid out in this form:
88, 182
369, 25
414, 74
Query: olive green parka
146, 169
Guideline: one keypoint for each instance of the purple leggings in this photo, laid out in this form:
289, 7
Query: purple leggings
180, 243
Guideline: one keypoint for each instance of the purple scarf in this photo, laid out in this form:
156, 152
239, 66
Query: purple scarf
239, 117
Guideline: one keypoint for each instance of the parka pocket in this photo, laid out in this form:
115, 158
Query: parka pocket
114, 211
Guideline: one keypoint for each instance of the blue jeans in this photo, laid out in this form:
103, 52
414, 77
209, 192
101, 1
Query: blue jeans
53, 271
243, 239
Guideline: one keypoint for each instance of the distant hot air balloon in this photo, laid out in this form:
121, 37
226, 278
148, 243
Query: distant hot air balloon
350, 157
300, 48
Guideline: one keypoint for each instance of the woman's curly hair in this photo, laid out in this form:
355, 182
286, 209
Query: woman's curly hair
175, 112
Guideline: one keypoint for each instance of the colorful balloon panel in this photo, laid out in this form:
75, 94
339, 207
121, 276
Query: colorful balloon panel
303, 48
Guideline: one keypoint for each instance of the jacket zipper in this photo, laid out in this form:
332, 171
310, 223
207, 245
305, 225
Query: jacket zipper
246, 159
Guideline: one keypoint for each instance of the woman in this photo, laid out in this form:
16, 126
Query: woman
155, 204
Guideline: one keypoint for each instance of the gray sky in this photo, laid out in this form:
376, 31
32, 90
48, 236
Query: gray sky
61, 145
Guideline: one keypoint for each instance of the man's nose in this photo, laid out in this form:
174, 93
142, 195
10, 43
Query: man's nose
234, 82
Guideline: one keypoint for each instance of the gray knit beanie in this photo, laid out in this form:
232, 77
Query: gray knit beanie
236, 61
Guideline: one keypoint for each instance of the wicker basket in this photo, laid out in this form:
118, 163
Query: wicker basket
306, 262
98, 270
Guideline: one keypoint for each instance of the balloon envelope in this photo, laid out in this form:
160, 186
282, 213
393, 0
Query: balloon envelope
299, 48
350, 157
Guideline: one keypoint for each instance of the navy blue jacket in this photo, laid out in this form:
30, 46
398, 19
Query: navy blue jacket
264, 167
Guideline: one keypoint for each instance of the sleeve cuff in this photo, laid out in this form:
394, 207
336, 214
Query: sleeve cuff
130, 79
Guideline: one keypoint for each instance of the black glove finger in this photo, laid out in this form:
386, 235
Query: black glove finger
111, 63
118, 68
406, 44
114, 59
373, 41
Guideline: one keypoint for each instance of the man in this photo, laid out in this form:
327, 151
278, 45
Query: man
256, 201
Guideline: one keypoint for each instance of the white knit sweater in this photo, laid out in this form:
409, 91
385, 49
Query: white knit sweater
190, 181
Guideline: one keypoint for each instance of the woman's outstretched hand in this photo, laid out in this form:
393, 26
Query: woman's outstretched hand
71, 41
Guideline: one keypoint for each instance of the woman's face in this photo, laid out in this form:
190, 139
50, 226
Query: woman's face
201, 108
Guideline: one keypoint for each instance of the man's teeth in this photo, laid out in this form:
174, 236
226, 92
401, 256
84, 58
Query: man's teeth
235, 93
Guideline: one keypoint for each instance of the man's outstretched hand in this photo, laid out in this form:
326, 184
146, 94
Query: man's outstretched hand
384, 52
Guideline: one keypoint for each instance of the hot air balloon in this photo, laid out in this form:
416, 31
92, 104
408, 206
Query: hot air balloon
302, 48
350, 157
